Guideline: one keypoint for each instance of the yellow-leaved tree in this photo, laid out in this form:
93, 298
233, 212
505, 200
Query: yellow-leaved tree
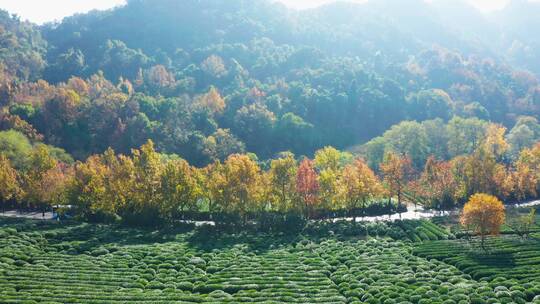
484, 214
359, 185
9, 185
282, 179
180, 188
236, 186
330, 161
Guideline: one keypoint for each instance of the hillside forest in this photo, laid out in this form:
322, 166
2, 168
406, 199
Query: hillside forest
237, 110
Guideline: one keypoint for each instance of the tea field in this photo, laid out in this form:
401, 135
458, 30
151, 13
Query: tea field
402, 262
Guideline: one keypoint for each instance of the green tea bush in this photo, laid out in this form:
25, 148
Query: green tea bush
327, 263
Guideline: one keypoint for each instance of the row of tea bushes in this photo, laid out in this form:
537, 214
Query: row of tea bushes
508, 261
423, 230
108, 264
380, 271
128, 274
411, 230
153, 272
281, 275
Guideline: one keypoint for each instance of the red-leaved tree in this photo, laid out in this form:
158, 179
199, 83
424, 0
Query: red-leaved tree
307, 185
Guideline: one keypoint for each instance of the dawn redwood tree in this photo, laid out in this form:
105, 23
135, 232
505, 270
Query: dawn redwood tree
9, 185
179, 188
484, 214
282, 175
437, 184
147, 167
307, 186
528, 169
238, 186
359, 184
396, 170
35, 179
89, 189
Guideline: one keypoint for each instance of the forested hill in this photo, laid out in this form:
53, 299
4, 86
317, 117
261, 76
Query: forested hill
207, 78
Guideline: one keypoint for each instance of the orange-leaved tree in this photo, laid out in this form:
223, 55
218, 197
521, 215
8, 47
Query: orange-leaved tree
307, 185
397, 171
484, 214
527, 176
437, 186
359, 185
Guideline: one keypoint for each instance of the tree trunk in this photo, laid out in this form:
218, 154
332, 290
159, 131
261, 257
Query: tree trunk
389, 207
210, 210
482, 239
363, 207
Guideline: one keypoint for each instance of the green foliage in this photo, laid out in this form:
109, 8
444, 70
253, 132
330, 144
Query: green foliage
23, 48
503, 253
523, 225
327, 263
16, 147
428, 138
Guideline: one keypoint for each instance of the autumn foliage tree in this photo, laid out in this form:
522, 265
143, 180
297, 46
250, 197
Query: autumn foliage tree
480, 172
89, 191
180, 188
145, 198
359, 184
484, 214
9, 185
527, 169
238, 186
148, 187
437, 185
36, 183
397, 171
307, 186
211, 102
282, 177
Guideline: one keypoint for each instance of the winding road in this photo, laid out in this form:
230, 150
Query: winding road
413, 213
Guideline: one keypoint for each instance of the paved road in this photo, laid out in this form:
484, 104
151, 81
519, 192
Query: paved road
28, 215
418, 213
421, 213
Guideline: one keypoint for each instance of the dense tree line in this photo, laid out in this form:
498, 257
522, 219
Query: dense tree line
149, 187
191, 111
